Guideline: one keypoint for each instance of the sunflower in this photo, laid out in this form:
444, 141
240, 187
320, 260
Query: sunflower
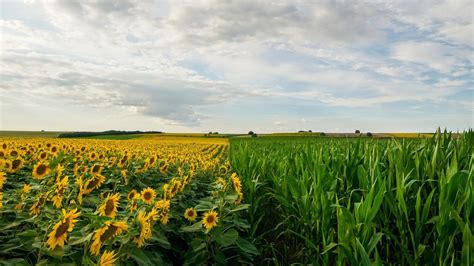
163, 166
59, 170
79, 184
16, 164
92, 156
236, 182
145, 229
93, 183
152, 215
43, 155
26, 188
152, 160
221, 184
35, 208
124, 175
165, 218
96, 169
109, 207
7, 166
1, 200
165, 190
132, 195
210, 220
175, 185
122, 161
13, 153
190, 214
108, 231
60, 186
162, 204
223, 170
40, 171
148, 195
58, 235
239, 199
108, 258
54, 149
3, 178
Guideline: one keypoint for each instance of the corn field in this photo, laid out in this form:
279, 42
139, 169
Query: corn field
359, 202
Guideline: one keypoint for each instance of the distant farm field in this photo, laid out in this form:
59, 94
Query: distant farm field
42, 134
279, 199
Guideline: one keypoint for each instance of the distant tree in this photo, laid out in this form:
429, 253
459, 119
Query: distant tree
301, 131
310, 131
210, 132
322, 134
215, 133
369, 134
254, 135
250, 132
357, 131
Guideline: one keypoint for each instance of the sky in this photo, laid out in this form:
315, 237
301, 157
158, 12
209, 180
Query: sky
235, 66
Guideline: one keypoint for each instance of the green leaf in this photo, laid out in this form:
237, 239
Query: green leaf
197, 244
204, 206
192, 228
246, 247
139, 256
226, 239
161, 239
240, 207
79, 240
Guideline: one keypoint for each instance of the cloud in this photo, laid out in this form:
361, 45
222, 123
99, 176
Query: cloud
322, 22
178, 61
437, 56
163, 96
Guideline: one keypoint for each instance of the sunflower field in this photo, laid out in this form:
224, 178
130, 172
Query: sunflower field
105, 202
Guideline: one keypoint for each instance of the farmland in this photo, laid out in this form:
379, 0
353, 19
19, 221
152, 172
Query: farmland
268, 200
359, 201
87, 202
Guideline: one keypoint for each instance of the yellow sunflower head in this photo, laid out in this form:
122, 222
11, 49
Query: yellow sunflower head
3, 178
236, 182
96, 169
40, 171
108, 231
221, 184
93, 183
133, 195
26, 188
109, 207
190, 214
58, 235
210, 220
148, 195
108, 258
145, 229
16, 165
43, 155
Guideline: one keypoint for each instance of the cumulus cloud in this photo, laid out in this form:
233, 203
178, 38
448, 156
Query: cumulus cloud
176, 61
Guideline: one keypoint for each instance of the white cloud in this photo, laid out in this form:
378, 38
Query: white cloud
136, 57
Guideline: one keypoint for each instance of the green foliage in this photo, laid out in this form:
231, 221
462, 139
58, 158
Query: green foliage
359, 201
